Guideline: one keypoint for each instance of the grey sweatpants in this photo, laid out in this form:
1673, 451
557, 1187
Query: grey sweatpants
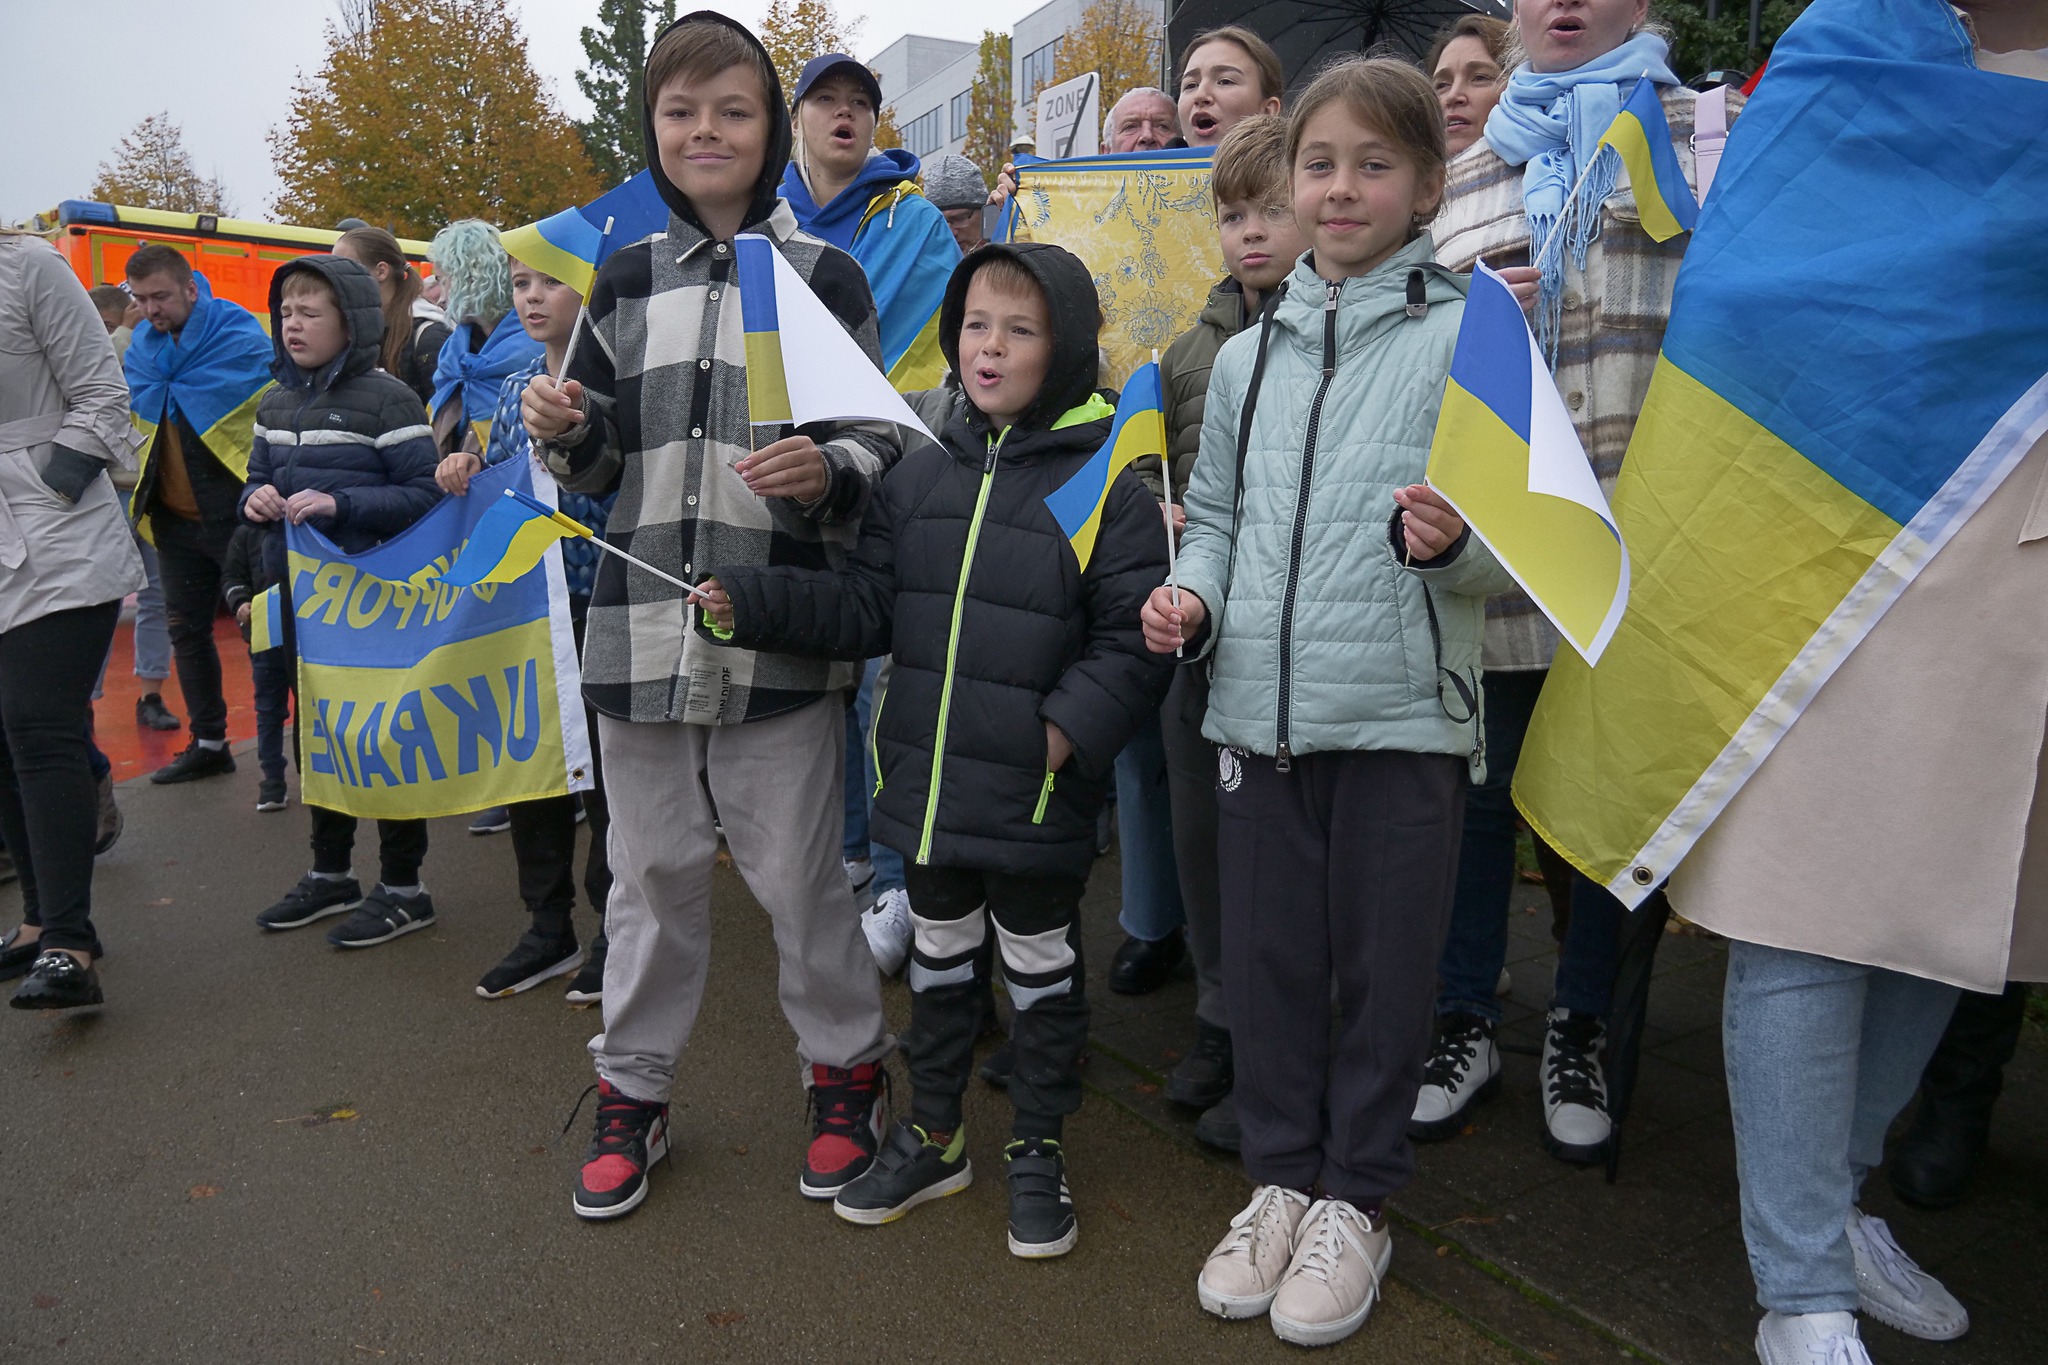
778, 787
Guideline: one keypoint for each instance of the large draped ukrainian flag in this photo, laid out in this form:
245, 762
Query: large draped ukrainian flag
1858, 355
907, 273
213, 373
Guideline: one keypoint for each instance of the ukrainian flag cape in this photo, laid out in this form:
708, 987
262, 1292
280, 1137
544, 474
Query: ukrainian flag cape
1857, 356
478, 377
571, 245
1139, 430
908, 254
212, 373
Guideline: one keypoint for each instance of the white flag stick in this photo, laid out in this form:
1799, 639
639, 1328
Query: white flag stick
1573, 197
1166, 510
576, 332
643, 564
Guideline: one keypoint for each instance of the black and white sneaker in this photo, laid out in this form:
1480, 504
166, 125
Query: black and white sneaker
496, 820
270, 794
382, 916
588, 987
911, 1169
537, 957
1576, 1127
1462, 1071
1041, 1209
313, 898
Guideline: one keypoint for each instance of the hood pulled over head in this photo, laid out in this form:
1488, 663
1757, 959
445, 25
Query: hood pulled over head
1072, 305
362, 313
776, 156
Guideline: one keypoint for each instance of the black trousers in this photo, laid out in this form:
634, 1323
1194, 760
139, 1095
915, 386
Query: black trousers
1191, 789
189, 557
1342, 867
49, 808
401, 846
1038, 935
544, 835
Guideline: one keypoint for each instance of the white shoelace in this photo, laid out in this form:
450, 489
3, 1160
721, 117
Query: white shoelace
1329, 1228
1259, 1221
1838, 1350
1900, 1271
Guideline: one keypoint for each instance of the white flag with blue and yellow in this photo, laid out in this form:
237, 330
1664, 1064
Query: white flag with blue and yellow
1507, 457
1139, 430
1857, 358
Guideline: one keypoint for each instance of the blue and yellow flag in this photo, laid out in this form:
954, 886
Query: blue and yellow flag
1642, 138
1856, 360
1140, 430
213, 373
908, 265
767, 383
1507, 457
266, 620
510, 540
571, 245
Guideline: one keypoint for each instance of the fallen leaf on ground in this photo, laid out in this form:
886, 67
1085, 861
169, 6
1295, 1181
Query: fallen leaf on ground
1146, 1088
1119, 1210
1443, 1251
202, 1192
45, 1301
537, 1151
740, 1150
368, 1350
725, 1319
1170, 1055
376, 1293
161, 900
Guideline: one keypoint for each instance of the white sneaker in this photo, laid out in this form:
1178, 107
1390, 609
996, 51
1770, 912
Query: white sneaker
1506, 984
860, 875
1330, 1286
1463, 1069
1576, 1127
887, 923
1810, 1339
1895, 1291
1242, 1273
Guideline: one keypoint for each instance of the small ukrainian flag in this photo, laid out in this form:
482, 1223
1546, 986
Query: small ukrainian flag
767, 384
509, 540
266, 620
1140, 430
1642, 138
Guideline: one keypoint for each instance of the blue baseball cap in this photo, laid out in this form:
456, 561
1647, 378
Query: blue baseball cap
833, 64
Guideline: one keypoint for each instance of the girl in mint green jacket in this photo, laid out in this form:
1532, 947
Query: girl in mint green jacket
1340, 603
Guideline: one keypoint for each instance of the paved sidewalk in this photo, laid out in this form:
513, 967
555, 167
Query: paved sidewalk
267, 1150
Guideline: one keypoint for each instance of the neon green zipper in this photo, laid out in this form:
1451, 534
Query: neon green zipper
931, 800
875, 740
1044, 795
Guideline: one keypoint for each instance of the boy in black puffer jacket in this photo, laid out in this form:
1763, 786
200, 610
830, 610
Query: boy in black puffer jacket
346, 447
1019, 675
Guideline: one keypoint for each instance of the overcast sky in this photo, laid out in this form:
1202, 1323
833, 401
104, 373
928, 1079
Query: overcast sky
80, 73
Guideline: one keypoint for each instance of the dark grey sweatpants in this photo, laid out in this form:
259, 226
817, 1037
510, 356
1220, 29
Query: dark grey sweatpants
1191, 790
1343, 867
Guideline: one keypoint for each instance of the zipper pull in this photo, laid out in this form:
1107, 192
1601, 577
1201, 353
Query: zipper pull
1330, 330
1284, 761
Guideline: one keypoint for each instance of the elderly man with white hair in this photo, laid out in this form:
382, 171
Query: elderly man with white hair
1144, 120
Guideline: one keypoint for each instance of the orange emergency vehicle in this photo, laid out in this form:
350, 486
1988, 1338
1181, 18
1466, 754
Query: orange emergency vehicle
237, 256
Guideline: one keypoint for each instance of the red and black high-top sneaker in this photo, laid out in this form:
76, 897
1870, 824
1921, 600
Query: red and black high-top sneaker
631, 1136
847, 1119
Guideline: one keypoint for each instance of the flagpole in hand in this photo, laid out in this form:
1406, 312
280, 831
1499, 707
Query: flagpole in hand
1572, 198
582, 312
577, 528
1166, 510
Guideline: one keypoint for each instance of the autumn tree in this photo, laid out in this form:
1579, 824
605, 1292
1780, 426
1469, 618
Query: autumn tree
887, 134
1119, 40
430, 113
794, 31
151, 169
612, 80
991, 116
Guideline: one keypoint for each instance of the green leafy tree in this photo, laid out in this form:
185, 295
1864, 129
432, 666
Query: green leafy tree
991, 115
151, 169
615, 52
431, 112
1700, 44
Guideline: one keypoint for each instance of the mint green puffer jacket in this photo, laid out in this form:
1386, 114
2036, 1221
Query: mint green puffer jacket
1320, 638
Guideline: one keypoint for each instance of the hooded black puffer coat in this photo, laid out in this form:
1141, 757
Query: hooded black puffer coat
963, 574
347, 429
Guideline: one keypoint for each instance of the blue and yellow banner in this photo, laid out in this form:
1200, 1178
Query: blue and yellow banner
571, 245
1144, 225
1856, 360
1139, 430
1642, 138
266, 620
760, 321
213, 373
419, 698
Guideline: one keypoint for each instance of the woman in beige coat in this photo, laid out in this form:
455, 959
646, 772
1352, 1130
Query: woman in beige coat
66, 561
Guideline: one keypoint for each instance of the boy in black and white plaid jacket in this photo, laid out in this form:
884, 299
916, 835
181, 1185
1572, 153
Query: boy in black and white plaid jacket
655, 406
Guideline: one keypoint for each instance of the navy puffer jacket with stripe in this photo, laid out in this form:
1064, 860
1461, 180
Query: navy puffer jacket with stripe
347, 429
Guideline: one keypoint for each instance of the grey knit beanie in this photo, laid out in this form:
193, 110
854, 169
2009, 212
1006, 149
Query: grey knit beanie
954, 182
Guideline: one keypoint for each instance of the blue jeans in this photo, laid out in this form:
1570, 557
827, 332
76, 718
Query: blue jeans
1477, 947
152, 626
860, 787
272, 673
1821, 1055
1144, 825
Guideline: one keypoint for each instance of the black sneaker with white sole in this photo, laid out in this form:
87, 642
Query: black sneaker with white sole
270, 794
588, 987
312, 899
194, 761
1576, 1127
1462, 1072
911, 1169
1041, 1209
537, 957
382, 916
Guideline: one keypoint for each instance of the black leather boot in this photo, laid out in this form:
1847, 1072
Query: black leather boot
1932, 1166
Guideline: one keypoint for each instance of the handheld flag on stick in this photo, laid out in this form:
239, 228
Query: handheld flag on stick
582, 314
1140, 429
1506, 456
1640, 136
802, 367
513, 536
570, 246
266, 620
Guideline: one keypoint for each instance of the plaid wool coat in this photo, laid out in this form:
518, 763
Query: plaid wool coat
663, 367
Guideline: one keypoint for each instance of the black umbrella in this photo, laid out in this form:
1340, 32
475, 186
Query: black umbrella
1307, 32
1641, 932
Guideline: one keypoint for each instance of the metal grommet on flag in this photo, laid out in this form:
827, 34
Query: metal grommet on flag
1642, 876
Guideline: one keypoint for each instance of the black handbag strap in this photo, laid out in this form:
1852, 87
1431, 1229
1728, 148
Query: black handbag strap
1244, 434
